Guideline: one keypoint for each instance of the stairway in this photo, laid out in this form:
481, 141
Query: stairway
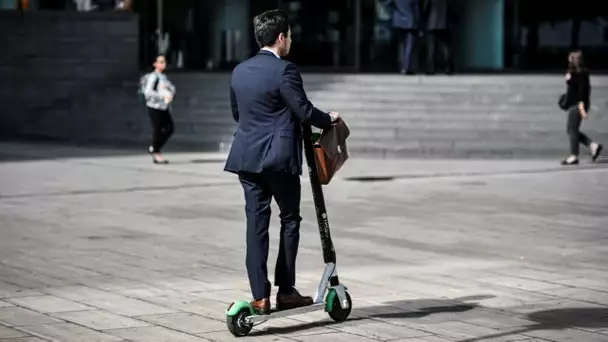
390, 116
398, 116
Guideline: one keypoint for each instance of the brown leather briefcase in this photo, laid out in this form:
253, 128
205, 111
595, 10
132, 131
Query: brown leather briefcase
330, 151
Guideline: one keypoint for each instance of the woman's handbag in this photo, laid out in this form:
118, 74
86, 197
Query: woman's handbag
563, 101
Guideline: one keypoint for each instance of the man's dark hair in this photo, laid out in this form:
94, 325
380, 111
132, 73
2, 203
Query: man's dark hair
268, 25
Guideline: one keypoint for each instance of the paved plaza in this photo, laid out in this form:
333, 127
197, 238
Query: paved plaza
102, 245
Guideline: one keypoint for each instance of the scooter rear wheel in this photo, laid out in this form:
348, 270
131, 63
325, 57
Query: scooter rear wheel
339, 314
237, 325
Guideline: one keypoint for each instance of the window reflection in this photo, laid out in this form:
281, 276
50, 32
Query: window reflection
353, 35
542, 32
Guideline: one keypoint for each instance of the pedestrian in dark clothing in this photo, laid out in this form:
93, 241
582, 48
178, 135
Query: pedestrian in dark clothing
578, 99
406, 22
438, 24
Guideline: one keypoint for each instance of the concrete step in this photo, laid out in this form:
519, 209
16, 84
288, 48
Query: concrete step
347, 93
368, 110
389, 115
459, 125
396, 134
450, 151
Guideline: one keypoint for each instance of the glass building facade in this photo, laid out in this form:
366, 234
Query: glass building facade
356, 35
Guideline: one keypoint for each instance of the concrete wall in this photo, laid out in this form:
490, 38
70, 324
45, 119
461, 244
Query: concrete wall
53, 61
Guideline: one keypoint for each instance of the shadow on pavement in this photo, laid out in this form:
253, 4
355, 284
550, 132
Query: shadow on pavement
18, 151
558, 319
35, 150
208, 161
389, 310
555, 319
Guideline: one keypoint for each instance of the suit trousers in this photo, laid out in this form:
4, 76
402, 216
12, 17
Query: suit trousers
407, 45
259, 189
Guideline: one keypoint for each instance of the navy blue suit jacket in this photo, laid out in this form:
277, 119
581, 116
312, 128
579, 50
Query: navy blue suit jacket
406, 14
269, 104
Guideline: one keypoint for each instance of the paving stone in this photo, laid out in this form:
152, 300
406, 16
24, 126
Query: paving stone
147, 292
24, 339
109, 301
429, 338
226, 336
568, 335
100, 320
6, 332
598, 284
535, 274
380, 330
16, 316
463, 331
556, 304
153, 334
507, 302
110, 283
48, 304
10, 290
130, 307
31, 281
288, 327
186, 322
497, 321
520, 283
225, 296
336, 336
452, 256
586, 295
71, 332
43, 267
199, 306
80, 293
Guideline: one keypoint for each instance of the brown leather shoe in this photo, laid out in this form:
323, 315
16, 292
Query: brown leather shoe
292, 301
261, 306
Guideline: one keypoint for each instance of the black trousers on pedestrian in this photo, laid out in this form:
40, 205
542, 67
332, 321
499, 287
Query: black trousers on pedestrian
259, 189
162, 127
576, 136
439, 40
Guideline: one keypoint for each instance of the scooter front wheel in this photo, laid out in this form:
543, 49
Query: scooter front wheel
337, 313
236, 323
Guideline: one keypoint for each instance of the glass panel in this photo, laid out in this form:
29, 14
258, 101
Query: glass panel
323, 33
379, 48
542, 33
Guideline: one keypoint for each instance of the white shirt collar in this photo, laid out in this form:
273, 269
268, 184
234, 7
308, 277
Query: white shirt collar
279, 57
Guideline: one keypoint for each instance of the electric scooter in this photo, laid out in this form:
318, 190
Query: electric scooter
331, 296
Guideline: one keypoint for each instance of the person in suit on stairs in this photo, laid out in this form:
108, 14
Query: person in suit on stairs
438, 23
269, 104
405, 21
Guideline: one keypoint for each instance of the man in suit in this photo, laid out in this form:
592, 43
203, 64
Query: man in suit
405, 21
269, 104
438, 17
